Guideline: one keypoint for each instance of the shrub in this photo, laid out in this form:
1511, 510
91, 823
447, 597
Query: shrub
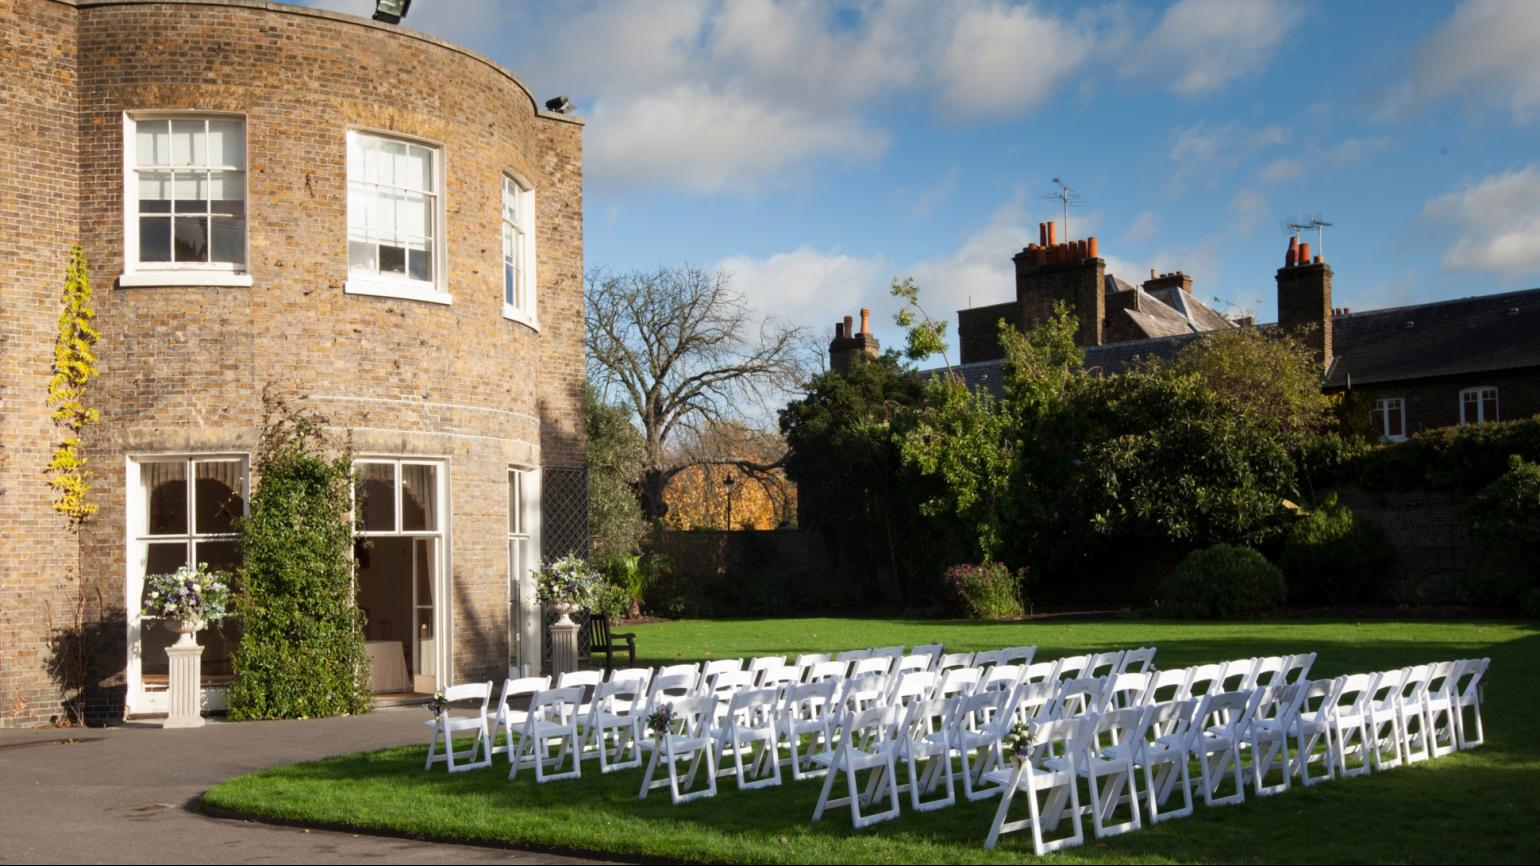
1221, 581
1332, 557
988, 591
302, 651
1506, 513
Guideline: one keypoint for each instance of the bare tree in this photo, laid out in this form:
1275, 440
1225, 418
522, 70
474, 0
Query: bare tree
686, 353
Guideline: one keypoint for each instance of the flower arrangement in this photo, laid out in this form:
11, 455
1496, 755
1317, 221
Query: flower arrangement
660, 720
569, 581
188, 594
437, 704
1018, 743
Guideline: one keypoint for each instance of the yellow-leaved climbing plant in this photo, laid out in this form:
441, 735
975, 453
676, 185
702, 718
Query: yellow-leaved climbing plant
74, 365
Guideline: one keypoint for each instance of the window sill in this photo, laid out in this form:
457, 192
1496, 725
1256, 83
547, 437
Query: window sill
201, 279
392, 289
514, 314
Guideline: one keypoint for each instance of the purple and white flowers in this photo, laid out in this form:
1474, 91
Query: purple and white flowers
1018, 744
569, 581
188, 594
659, 721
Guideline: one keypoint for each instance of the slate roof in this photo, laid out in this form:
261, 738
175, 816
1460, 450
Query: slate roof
1446, 338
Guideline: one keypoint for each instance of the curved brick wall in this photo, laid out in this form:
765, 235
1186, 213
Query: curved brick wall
184, 367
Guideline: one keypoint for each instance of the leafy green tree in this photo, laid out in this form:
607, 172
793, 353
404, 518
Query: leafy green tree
301, 653
616, 454
1273, 378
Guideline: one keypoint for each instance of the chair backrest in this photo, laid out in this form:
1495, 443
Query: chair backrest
598, 630
762, 662
1002, 677
752, 708
1320, 695
1353, 695
1414, 684
892, 652
719, 666
1017, 655
979, 710
959, 681
1079, 697
1042, 672
1297, 667
872, 665
643, 674
1201, 680
589, 680
811, 701
1034, 702
513, 688
913, 686
1137, 661
1268, 671
693, 717
619, 697
668, 670
868, 730
931, 650
854, 655
470, 692
1104, 664
1126, 690
1468, 686
1442, 679
859, 693
1072, 667
559, 704
728, 683
807, 660
833, 670
1226, 712
954, 661
1279, 704
987, 658
911, 663
670, 688
1167, 685
778, 677
1385, 691
1235, 675
1058, 739
1171, 722
1115, 727
924, 718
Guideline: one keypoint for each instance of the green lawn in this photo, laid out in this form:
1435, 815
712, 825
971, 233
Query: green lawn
1479, 806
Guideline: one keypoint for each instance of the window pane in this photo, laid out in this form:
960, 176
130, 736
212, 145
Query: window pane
416, 170
376, 490
220, 555
165, 557
515, 503
361, 255
155, 192
217, 496
1489, 405
413, 216
165, 497
152, 142
419, 264
227, 142
188, 143
227, 192
381, 214
423, 559
392, 259
155, 239
191, 192
228, 239
508, 295
191, 239
417, 497
392, 164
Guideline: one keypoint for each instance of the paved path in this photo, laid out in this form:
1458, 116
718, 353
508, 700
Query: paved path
127, 795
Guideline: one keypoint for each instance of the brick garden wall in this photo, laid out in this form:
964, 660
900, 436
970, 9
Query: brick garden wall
1430, 533
184, 368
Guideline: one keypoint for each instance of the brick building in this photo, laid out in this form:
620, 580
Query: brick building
370, 222
1462, 361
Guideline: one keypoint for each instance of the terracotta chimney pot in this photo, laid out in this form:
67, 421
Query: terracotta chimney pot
1291, 257
866, 321
1304, 254
1053, 234
1091, 245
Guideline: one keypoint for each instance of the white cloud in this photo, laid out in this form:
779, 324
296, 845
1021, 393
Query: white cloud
1320, 161
1207, 150
1251, 209
1002, 60
1487, 53
705, 141
808, 286
1497, 221
1200, 46
927, 199
1144, 227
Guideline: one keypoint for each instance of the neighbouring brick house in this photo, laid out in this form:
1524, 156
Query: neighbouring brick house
373, 223
1462, 361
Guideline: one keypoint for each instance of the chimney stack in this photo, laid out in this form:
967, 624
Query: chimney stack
1304, 300
847, 345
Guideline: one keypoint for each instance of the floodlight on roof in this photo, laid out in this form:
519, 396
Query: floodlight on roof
391, 11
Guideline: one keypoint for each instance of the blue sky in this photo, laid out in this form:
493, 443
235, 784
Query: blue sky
816, 150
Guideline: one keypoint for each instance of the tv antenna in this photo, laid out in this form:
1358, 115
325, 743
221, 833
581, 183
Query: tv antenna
1065, 196
1305, 222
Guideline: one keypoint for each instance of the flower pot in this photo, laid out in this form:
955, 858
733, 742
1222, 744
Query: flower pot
186, 628
565, 610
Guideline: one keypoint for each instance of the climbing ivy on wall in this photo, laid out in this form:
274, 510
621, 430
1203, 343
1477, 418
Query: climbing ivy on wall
301, 653
74, 365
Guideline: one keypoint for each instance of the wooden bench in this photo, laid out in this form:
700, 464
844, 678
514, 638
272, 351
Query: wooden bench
602, 640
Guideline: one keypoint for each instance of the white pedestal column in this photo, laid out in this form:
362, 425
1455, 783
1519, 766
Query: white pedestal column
186, 691
564, 647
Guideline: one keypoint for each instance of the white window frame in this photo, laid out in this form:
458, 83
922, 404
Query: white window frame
434, 290
524, 306
1382, 409
137, 538
443, 585
1475, 397
525, 623
217, 274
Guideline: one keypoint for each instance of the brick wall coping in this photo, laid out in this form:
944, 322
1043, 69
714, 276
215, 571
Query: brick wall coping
354, 20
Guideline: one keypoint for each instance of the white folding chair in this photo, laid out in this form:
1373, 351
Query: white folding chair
1111, 742
987, 659
835, 671
1042, 672
1441, 708
1168, 685
642, 675
1384, 722
1237, 675
851, 656
748, 730
688, 738
892, 652
858, 694
1268, 672
447, 723
925, 740
1217, 736
1126, 690
954, 661
932, 650
709, 671
1311, 730
1080, 697
726, 684
779, 678
1268, 735
1416, 745
553, 719
1163, 757
1049, 773
1104, 664
1017, 655
865, 742
1072, 667
808, 717
912, 663
1350, 725
1297, 667
760, 664
1469, 691
1201, 680
1002, 677
1137, 661
982, 720
882, 665
913, 686
958, 682
668, 688
588, 681
614, 726
510, 720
